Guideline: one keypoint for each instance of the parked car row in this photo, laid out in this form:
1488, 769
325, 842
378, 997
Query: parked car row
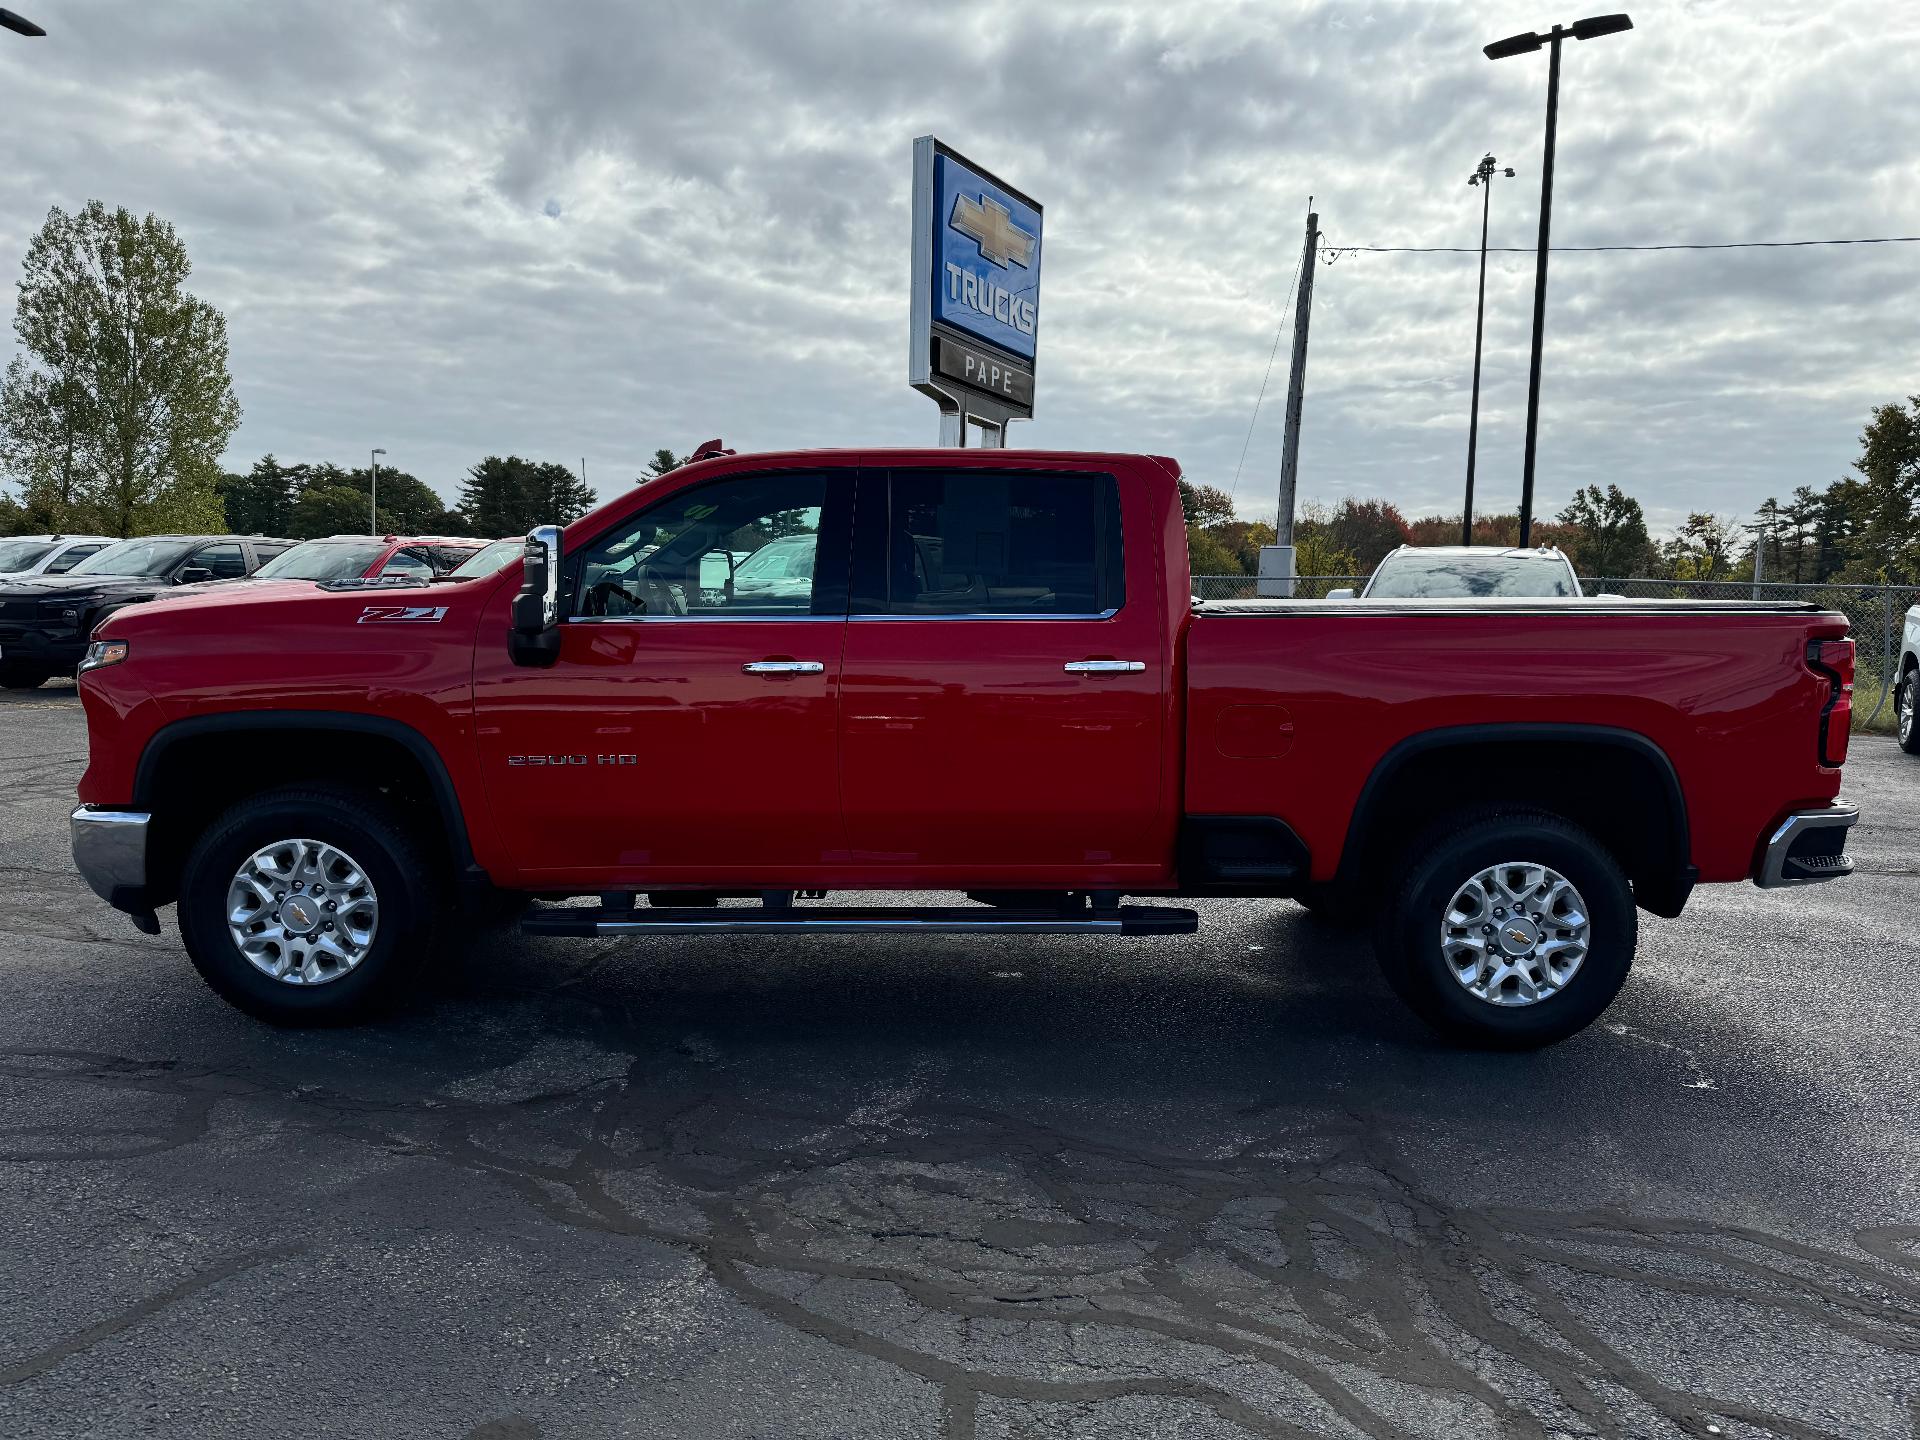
55, 588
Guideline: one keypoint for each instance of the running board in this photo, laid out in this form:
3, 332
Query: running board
836, 920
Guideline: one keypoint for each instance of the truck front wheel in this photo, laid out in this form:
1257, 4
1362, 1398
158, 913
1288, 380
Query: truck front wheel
310, 905
23, 677
1509, 929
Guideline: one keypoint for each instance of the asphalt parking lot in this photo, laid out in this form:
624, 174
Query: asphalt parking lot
1222, 1186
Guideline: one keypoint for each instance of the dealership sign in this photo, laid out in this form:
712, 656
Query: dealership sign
976, 292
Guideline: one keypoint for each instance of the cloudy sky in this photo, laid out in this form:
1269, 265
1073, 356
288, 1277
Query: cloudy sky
589, 229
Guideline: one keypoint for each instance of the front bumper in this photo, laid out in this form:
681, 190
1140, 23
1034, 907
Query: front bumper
1808, 846
57, 647
110, 851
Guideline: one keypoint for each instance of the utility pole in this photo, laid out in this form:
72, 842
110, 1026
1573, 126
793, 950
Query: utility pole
1276, 560
1483, 177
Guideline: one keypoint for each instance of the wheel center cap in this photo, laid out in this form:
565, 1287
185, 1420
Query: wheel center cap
299, 913
1517, 935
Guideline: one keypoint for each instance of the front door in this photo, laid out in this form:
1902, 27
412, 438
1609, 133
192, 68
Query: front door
1004, 693
686, 734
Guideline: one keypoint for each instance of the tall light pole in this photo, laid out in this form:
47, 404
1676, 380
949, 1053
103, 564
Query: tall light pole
1588, 29
19, 24
373, 504
1483, 177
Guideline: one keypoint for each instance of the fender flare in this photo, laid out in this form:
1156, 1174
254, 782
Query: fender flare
446, 797
1667, 893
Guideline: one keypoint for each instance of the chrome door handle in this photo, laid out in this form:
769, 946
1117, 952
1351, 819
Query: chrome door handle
783, 667
1105, 667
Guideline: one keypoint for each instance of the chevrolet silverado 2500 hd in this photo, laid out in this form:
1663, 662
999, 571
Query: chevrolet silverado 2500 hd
996, 683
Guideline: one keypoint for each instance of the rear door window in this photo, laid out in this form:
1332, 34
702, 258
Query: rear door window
994, 542
226, 561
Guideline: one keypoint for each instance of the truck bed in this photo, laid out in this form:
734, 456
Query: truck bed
1296, 707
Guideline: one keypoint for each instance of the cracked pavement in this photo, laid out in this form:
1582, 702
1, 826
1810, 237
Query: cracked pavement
1214, 1186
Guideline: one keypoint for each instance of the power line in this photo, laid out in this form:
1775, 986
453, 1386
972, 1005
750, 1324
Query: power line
1278, 332
1333, 252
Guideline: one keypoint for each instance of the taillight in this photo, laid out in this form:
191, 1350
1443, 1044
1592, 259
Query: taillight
1834, 660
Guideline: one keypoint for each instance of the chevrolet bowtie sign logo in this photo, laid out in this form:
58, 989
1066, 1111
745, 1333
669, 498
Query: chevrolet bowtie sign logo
987, 223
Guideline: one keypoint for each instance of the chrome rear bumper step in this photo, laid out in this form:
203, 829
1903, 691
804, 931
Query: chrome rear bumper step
838, 920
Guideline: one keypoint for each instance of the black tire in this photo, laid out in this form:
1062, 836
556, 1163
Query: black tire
1908, 692
1407, 937
23, 677
410, 887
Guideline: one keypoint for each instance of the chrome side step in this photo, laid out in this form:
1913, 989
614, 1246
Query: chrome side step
583, 921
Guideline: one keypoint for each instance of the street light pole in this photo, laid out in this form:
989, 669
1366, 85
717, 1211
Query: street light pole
373, 503
1483, 177
19, 24
1588, 29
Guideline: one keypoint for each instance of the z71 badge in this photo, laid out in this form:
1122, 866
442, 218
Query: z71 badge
402, 615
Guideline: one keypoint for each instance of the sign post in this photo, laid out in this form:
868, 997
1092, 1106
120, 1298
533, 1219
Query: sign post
976, 294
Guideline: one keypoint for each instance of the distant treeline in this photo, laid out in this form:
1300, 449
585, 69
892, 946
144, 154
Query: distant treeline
1860, 529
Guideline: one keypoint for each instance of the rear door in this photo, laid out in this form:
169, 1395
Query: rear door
1004, 691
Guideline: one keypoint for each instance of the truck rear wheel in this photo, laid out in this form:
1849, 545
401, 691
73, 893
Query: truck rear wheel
1509, 929
310, 905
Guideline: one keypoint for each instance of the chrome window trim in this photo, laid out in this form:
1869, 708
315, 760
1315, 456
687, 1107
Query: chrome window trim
693, 619
834, 619
989, 615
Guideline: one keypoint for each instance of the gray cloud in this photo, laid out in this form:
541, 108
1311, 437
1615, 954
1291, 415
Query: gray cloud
595, 229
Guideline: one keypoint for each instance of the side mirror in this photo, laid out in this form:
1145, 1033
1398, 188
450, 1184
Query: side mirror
1345, 592
535, 638
192, 575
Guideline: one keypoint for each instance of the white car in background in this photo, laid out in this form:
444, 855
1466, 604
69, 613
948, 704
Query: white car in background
1907, 694
47, 554
1463, 572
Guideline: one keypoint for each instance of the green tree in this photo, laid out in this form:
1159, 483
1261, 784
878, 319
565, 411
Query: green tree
1703, 549
260, 502
1608, 532
509, 495
1207, 556
1204, 505
663, 460
1887, 503
1315, 554
118, 410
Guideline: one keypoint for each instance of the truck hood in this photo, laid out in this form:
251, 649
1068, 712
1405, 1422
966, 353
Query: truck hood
81, 588
256, 605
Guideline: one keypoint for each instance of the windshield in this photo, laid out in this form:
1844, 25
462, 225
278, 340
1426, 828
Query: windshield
1413, 576
487, 561
790, 557
21, 554
323, 560
135, 557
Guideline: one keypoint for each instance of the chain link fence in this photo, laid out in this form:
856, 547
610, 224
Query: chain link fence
1876, 612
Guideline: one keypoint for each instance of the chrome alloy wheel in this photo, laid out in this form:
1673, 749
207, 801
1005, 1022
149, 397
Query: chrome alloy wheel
1515, 933
302, 911
1908, 693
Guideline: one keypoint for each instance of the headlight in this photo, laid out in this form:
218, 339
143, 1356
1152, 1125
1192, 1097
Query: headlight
102, 653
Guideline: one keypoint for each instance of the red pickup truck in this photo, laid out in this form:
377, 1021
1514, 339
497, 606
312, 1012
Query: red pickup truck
977, 671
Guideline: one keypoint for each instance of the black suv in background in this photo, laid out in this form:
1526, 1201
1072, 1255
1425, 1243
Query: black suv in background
45, 620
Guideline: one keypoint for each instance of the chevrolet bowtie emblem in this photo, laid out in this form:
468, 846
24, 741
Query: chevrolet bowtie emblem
988, 224
1518, 937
